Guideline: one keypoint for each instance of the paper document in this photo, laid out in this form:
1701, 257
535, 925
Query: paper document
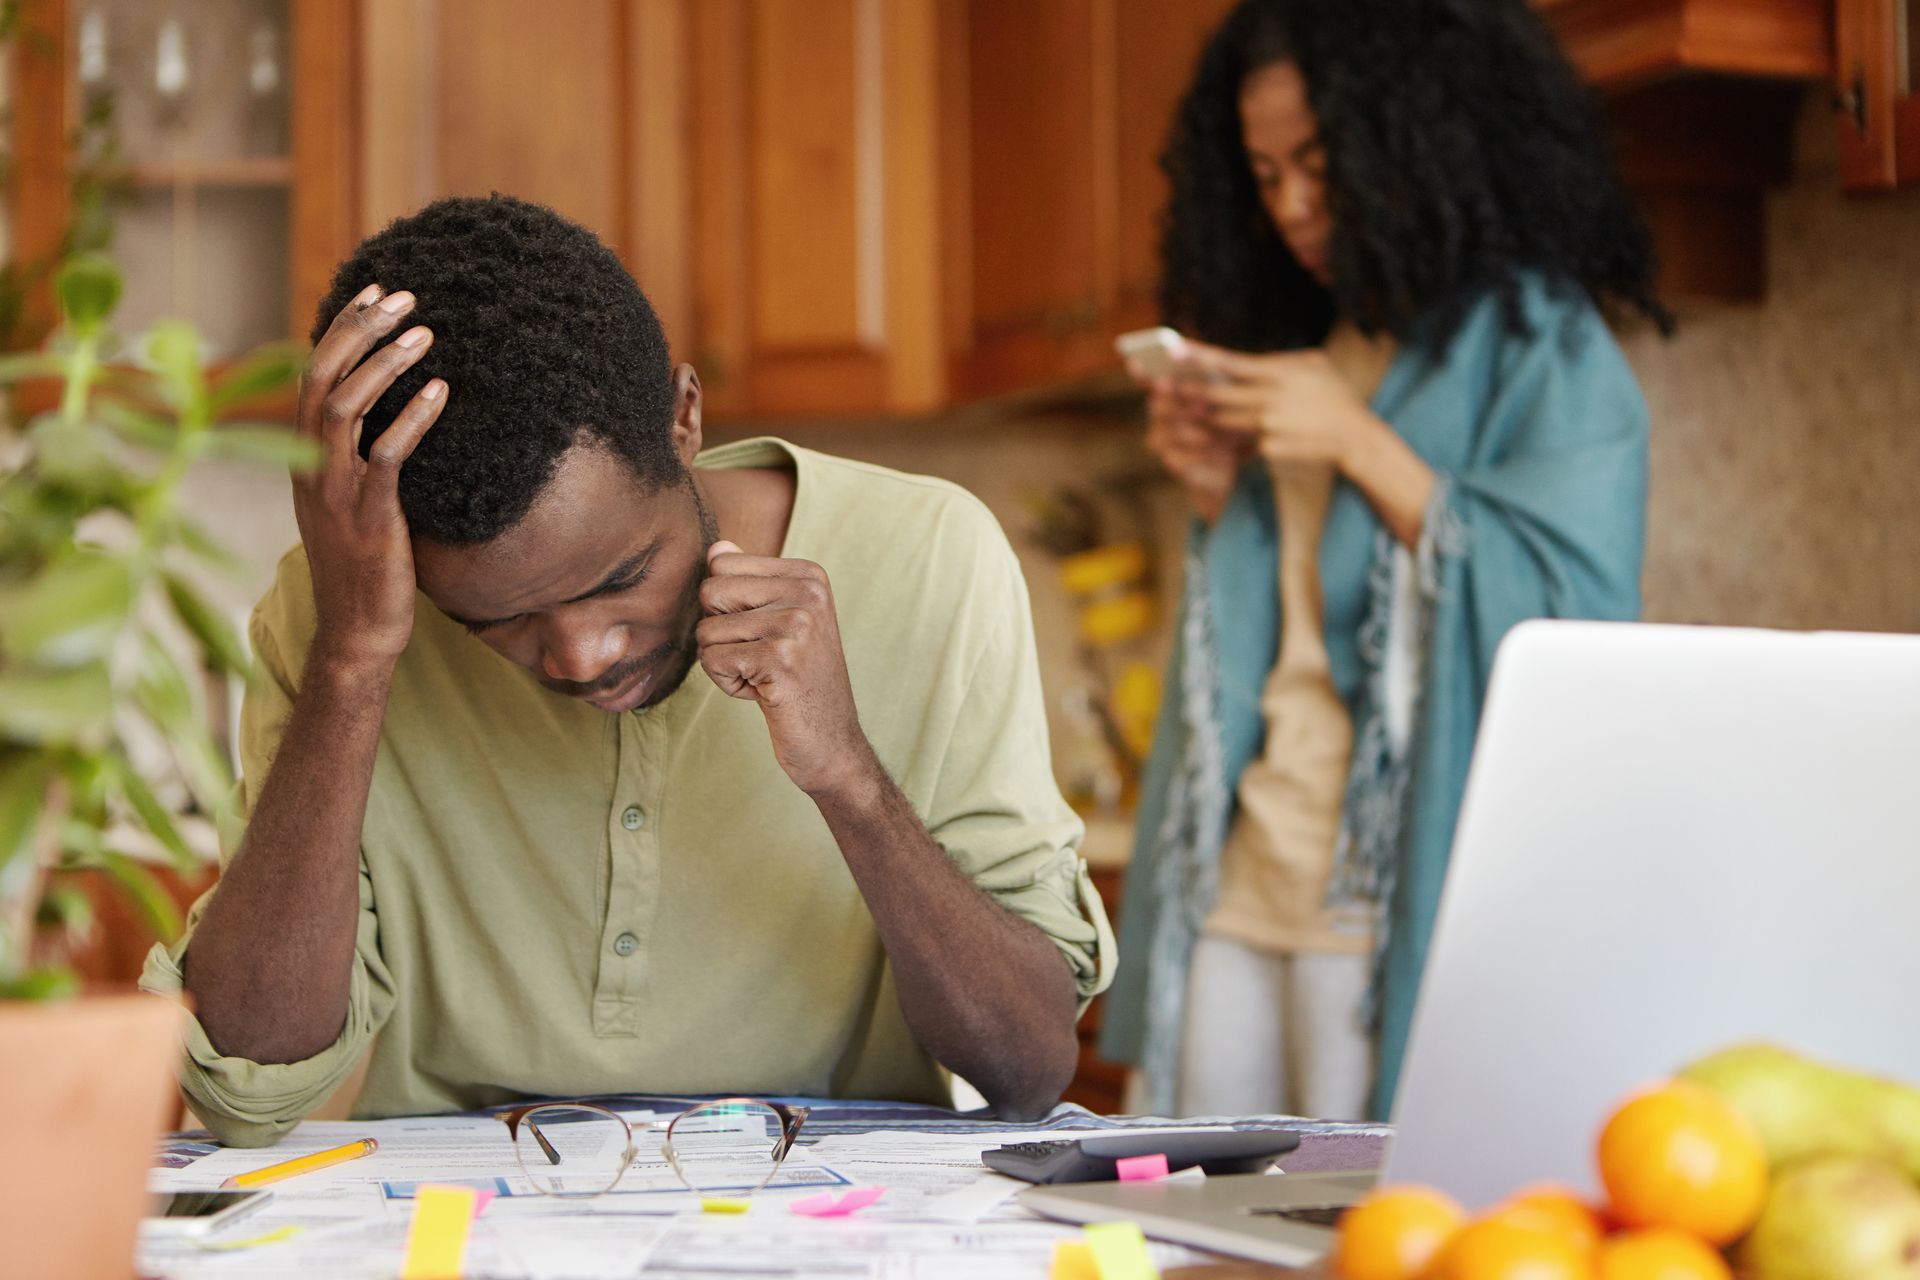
943, 1215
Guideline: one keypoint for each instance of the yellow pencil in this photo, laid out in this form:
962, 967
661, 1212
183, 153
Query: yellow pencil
301, 1164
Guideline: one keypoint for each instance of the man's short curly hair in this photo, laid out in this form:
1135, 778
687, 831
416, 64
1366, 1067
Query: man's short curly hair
543, 338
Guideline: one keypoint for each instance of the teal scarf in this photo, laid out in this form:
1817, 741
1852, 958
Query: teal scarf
1538, 436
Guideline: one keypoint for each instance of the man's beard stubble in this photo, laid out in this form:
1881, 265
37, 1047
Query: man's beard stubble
678, 654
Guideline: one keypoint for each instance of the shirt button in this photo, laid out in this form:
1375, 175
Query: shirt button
624, 944
631, 817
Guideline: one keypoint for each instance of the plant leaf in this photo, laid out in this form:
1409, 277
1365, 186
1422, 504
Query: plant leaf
70, 612
67, 908
162, 688
154, 816
207, 774
15, 366
89, 777
34, 519
88, 287
137, 425
55, 707
53, 983
173, 349
148, 894
23, 790
126, 380
216, 635
82, 843
197, 541
266, 369
278, 446
77, 455
164, 694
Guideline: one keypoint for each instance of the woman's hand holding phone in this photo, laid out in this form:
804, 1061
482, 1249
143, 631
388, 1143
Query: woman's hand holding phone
1295, 407
1203, 458
1292, 405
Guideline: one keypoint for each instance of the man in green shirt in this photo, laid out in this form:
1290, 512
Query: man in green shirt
507, 842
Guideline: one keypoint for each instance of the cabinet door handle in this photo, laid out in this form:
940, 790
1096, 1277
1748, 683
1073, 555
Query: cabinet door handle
1851, 100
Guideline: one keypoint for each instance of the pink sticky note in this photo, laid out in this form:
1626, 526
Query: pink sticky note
828, 1205
1141, 1168
481, 1199
860, 1198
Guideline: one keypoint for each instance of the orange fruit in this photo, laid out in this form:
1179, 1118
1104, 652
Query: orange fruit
1495, 1248
1556, 1209
1660, 1254
1395, 1233
1678, 1155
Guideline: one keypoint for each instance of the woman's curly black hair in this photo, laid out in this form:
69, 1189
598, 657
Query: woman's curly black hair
544, 339
1462, 149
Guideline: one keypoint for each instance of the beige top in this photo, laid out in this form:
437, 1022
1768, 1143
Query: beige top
555, 901
1278, 857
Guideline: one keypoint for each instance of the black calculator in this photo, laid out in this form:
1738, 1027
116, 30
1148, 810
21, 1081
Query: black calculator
1216, 1151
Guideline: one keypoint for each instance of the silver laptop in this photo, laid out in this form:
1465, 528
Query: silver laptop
1673, 839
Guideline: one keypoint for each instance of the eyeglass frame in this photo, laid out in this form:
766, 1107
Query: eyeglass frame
791, 1118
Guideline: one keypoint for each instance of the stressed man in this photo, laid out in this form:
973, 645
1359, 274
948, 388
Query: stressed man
582, 761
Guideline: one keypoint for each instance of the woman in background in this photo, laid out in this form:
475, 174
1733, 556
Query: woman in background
1404, 427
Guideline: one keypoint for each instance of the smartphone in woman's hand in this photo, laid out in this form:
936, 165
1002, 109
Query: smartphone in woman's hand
1153, 353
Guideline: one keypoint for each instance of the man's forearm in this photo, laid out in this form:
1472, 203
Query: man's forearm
271, 963
984, 991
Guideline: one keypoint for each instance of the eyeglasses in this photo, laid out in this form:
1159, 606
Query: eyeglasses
730, 1147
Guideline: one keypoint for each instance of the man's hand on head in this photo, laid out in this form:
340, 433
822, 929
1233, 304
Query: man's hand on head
348, 509
273, 955
770, 635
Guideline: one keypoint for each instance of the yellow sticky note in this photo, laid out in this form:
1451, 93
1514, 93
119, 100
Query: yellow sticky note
1072, 1261
437, 1240
716, 1204
274, 1236
1120, 1252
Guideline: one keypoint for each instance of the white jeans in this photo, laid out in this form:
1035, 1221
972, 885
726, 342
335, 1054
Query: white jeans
1274, 1033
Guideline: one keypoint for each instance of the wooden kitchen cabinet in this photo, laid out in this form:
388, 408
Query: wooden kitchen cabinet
1041, 101
769, 170
1069, 106
1623, 44
879, 207
231, 173
904, 205
1157, 46
1877, 92
818, 203
577, 104
839, 207
1701, 96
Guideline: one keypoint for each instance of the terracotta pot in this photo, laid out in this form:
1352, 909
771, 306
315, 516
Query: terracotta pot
88, 1085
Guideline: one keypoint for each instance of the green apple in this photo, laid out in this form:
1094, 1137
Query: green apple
1805, 1108
1836, 1218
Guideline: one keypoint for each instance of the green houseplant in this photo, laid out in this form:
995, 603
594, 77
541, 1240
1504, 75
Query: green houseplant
105, 636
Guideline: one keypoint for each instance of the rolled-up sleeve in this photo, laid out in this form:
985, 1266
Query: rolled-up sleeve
248, 1103
252, 1104
998, 812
